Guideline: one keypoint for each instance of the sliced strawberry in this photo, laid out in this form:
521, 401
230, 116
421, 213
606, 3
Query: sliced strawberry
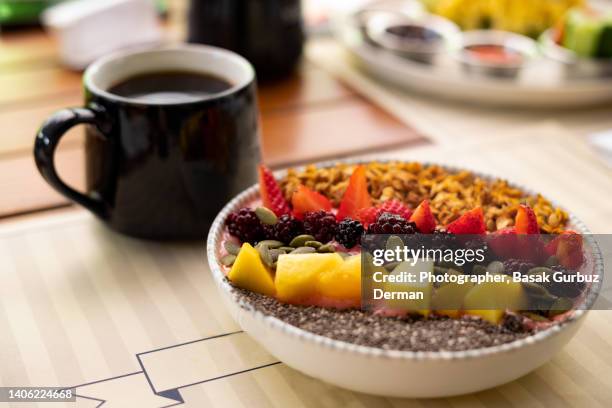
423, 218
304, 200
356, 195
526, 221
471, 222
394, 206
567, 246
271, 193
367, 215
504, 242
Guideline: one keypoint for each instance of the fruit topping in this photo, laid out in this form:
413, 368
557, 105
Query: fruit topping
388, 223
287, 228
244, 225
423, 218
305, 200
471, 222
395, 207
567, 247
497, 296
249, 272
297, 276
526, 221
349, 233
271, 193
367, 215
320, 224
517, 265
344, 282
356, 195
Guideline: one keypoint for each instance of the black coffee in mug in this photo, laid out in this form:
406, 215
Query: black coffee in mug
170, 86
171, 136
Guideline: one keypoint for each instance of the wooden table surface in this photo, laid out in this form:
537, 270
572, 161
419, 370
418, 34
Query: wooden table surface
308, 116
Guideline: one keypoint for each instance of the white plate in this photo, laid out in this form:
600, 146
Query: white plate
384, 372
544, 84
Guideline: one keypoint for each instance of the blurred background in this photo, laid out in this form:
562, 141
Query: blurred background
335, 78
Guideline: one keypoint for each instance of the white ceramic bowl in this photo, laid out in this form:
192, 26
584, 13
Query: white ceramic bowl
384, 372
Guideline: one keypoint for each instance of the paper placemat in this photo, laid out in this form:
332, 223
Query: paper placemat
138, 324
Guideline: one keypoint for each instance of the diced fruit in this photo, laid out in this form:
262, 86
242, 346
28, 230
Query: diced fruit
344, 282
249, 272
305, 200
271, 193
447, 300
395, 207
367, 215
471, 222
423, 218
504, 242
424, 287
297, 275
568, 249
490, 300
356, 195
526, 221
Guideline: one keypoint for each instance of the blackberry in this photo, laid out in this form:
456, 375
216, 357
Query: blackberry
349, 233
321, 225
517, 265
388, 223
244, 225
287, 228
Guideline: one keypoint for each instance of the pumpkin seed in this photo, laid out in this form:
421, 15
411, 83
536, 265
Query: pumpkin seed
303, 250
440, 270
326, 248
539, 270
228, 260
394, 242
533, 289
552, 261
535, 317
314, 244
391, 265
559, 306
275, 253
231, 248
264, 254
300, 240
479, 270
286, 249
271, 243
266, 215
496, 267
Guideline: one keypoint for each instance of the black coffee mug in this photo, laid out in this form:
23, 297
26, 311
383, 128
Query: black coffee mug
160, 170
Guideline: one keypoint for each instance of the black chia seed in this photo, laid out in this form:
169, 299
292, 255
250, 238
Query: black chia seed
411, 333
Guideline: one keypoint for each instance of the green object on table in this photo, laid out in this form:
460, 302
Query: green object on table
19, 12
588, 34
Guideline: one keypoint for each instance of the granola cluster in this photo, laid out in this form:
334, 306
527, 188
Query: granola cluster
450, 193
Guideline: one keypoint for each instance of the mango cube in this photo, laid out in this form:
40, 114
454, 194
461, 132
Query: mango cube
297, 275
249, 272
344, 282
448, 299
489, 300
419, 287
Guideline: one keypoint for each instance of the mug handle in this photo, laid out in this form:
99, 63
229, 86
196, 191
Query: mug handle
46, 142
